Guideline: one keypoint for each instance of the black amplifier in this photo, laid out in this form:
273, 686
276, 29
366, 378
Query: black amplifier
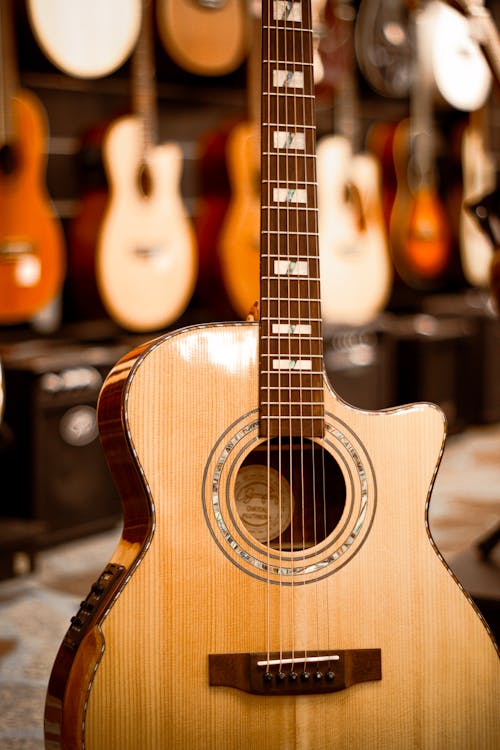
51, 461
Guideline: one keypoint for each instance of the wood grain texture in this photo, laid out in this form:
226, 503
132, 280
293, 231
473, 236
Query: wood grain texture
440, 684
146, 261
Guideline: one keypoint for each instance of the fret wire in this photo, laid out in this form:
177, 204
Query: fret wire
288, 25
280, 125
289, 93
289, 62
295, 101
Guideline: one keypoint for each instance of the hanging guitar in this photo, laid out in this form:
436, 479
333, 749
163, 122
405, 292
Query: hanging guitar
32, 259
420, 235
86, 38
356, 271
275, 585
146, 260
206, 37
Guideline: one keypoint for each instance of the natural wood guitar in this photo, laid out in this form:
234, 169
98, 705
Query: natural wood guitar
206, 37
32, 261
356, 271
275, 585
146, 260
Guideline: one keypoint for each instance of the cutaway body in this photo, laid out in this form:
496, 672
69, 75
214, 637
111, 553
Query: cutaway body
178, 419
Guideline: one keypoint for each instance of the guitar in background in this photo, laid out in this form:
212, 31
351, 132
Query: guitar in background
479, 179
356, 271
486, 213
206, 37
275, 585
146, 260
86, 38
420, 235
32, 261
384, 47
239, 242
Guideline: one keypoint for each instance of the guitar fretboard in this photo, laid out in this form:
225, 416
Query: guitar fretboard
143, 78
291, 354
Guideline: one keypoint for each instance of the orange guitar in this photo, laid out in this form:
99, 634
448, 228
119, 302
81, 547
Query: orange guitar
32, 260
206, 37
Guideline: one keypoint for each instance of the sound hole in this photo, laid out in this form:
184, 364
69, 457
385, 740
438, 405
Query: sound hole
145, 182
8, 160
290, 494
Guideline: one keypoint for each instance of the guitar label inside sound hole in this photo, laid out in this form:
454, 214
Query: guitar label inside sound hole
290, 494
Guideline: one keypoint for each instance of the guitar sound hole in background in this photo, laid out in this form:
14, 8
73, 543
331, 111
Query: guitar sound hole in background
311, 486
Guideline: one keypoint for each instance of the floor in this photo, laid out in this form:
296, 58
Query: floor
35, 608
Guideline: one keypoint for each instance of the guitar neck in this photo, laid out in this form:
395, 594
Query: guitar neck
143, 78
291, 363
9, 82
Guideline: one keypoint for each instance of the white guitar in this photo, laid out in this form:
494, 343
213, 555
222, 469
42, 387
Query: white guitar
86, 38
146, 260
479, 179
455, 65
356, 271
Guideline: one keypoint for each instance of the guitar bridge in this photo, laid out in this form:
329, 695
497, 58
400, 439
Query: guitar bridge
299, 673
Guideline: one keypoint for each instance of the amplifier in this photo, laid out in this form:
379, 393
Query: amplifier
52, 465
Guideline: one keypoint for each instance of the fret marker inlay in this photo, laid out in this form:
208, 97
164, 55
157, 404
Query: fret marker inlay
291, 267
296, 329
289, 195
287, 9
291, 79
284, 139
292, 364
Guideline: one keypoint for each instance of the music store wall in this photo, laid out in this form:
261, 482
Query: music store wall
140, 124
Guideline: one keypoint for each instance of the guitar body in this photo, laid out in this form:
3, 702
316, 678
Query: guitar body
239, 243
384, 46
31, 240
86, 38
139, 677
146, 255
420, 236
356, 272
206, 37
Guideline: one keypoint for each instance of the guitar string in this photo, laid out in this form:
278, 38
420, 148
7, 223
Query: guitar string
265, 36
285, 56
307, 89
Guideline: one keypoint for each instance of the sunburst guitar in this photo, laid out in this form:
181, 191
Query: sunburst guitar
32, 252
146, 258
275, 585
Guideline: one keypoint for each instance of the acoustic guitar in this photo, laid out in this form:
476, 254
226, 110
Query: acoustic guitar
419, 232
146, 259
86, 38
275, 585
206, 37
479, 179
356, 270
32, 259
384, 46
